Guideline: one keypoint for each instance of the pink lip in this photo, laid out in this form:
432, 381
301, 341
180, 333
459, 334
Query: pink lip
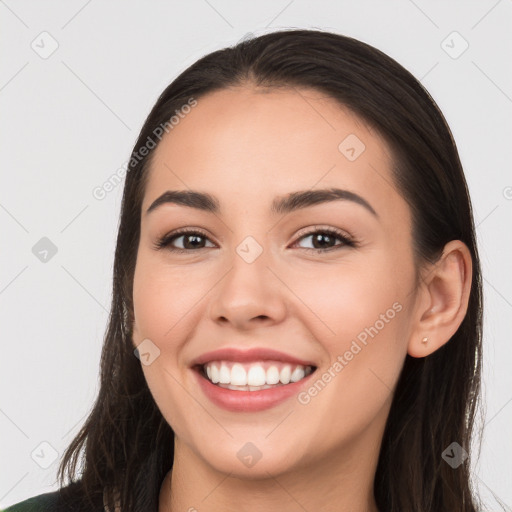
244, 356
249, 401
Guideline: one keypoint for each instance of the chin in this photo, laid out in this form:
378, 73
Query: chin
245, 459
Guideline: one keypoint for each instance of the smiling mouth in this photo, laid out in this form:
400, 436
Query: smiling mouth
255, 376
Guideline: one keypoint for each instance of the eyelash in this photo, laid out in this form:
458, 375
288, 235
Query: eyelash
166, 240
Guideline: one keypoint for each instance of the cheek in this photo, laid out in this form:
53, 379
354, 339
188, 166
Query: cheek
164, 297
347, 299
362, 323
363, 331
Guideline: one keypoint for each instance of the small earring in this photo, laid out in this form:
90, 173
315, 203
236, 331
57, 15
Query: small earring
424, 340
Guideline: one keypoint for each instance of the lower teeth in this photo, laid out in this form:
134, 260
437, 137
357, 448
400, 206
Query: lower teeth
248, 388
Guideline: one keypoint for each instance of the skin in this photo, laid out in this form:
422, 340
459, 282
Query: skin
246, 146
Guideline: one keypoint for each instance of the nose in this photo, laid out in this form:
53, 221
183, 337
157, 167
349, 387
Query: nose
249, 295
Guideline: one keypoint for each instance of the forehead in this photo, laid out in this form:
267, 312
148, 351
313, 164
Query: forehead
255, 144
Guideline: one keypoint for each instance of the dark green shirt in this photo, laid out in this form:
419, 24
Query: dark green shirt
51, 502
48, 502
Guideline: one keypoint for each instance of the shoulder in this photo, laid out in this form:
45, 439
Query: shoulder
41, 503
60, 500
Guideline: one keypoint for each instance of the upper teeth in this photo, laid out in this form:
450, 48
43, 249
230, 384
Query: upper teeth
255, 374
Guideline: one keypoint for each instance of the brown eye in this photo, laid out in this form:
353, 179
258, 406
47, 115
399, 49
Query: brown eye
324, 240
192, 241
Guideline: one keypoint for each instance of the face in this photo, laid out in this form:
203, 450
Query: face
317, 291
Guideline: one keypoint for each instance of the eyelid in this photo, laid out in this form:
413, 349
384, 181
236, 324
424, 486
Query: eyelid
347, 239
165, 241
311, 230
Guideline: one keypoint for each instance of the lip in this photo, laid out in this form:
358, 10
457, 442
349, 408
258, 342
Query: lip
249, 401
250, 355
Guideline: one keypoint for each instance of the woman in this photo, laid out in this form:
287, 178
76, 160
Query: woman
297, 308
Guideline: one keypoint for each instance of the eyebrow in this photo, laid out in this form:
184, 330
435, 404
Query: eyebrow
280, 205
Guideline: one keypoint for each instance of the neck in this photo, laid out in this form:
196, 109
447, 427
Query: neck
341, 482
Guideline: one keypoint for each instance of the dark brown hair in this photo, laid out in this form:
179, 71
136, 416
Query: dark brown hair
128, 446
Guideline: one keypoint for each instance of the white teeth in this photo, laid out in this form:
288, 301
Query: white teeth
272, 375
297, 374
285, 374
224, 374
238, 375
254, 376
215, 373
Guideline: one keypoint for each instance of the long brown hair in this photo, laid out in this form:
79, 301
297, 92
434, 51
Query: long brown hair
126, 444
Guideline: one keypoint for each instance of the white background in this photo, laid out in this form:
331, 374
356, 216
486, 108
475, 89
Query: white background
69, 121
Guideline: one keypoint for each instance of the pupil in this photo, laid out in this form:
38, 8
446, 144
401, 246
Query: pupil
194, 240
193, 237
318, 238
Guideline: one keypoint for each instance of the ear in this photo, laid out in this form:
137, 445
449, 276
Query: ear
442, 300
